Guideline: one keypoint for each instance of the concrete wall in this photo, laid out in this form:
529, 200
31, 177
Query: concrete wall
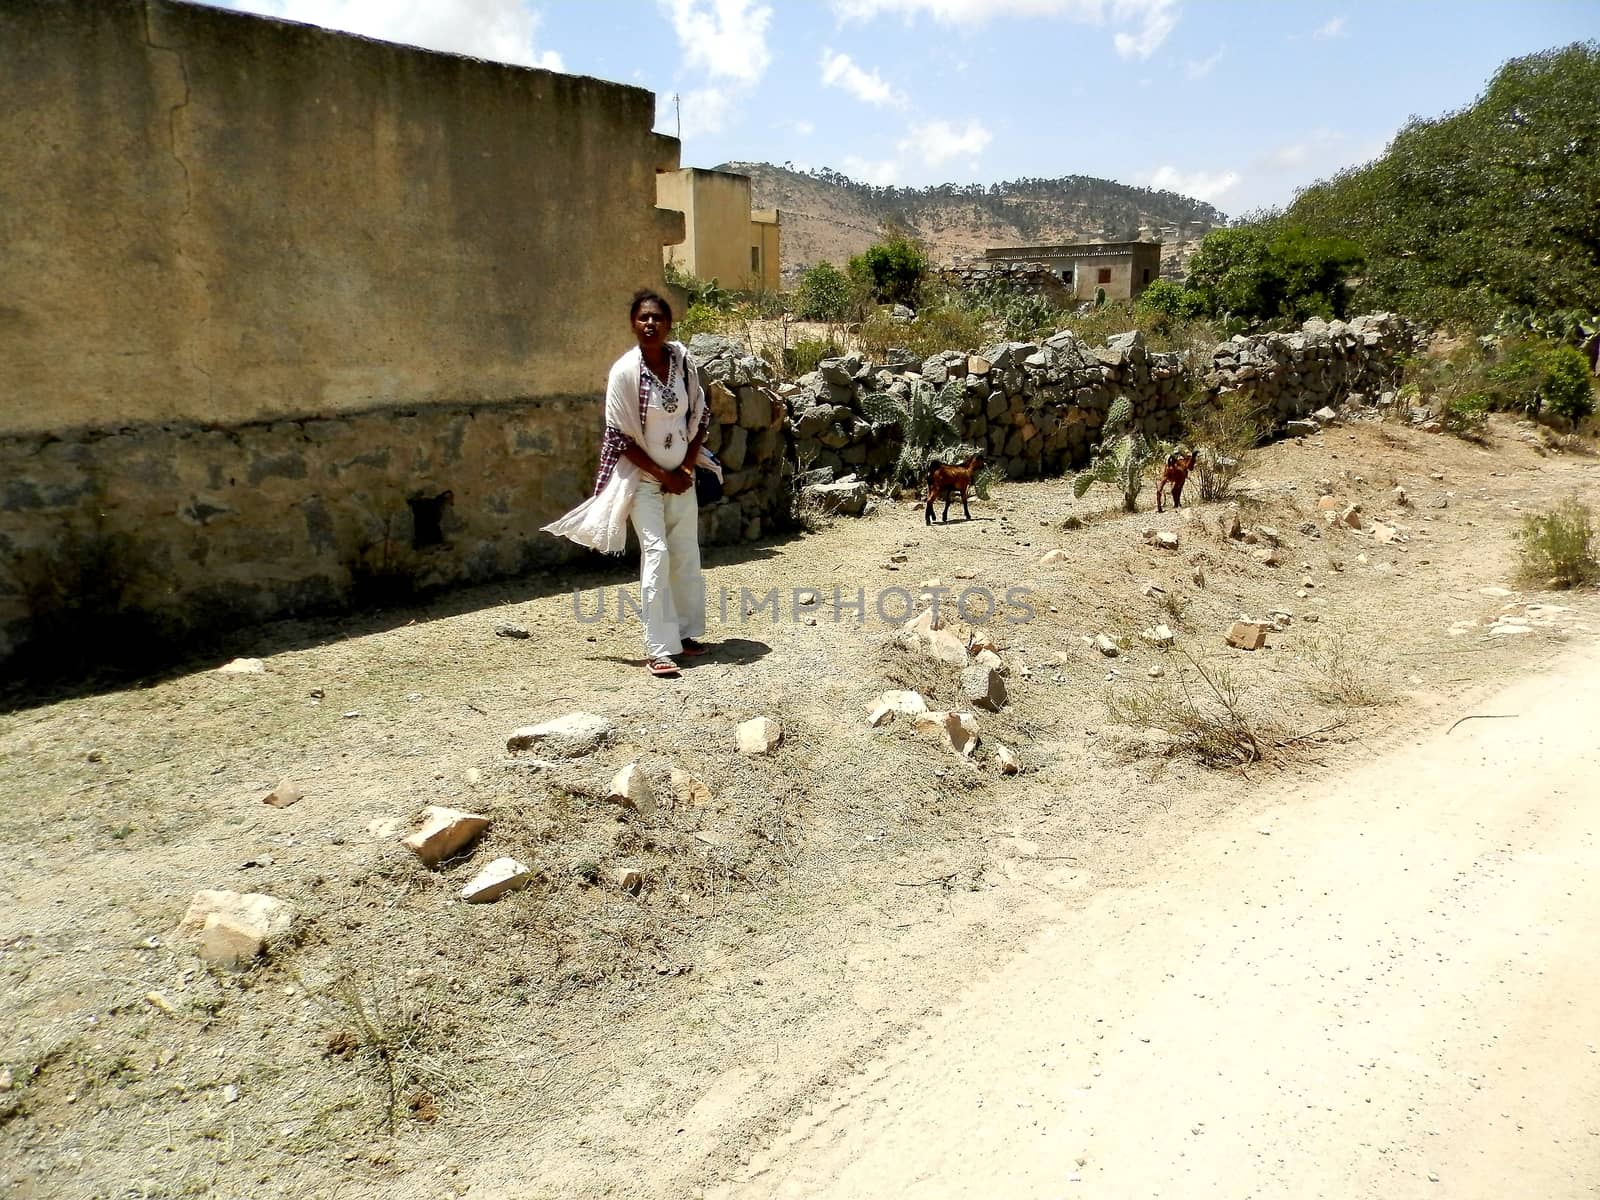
1127, 273
720, 229
215, 217
764, 230
264, 289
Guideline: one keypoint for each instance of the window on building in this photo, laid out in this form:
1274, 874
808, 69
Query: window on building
1147, 274
1066, 276
755, 259
1104, 275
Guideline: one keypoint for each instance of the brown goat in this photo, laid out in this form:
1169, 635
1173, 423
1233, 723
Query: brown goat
946, 481
1175, 473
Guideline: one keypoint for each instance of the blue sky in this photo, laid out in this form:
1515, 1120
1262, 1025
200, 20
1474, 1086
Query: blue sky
1238, 102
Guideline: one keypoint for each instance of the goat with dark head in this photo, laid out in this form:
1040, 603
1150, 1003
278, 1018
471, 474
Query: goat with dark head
946, 481
1175, 474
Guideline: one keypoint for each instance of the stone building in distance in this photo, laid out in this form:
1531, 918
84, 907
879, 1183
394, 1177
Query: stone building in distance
1122, 269
724, 238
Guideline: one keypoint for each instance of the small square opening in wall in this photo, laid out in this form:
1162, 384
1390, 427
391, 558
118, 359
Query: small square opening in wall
1104, 275
427, 519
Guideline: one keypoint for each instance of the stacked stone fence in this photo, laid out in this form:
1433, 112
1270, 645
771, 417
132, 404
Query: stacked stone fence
1036, 409
1034, 277
749, 436
1323, 363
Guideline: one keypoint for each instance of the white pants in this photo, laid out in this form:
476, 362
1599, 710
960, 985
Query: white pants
674, 590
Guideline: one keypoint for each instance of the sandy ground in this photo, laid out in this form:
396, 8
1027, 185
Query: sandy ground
1384, 985
817, 911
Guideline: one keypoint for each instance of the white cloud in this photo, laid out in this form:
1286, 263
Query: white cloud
1209, 186
1155, 19
500, 30
803, 128
937, 142
725, 39
1332, 28
1142, 25
704, 110
881, 172
1199, 68
840, 71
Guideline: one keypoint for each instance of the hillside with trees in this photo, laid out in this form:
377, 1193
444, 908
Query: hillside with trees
1488, 212
829, 216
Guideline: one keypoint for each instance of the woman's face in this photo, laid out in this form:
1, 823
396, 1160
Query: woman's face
651, 325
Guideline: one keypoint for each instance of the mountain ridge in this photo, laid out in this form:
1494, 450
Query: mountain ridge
825, 214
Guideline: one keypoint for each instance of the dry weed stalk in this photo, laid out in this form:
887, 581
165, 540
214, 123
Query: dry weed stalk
1340, 675
1209, 722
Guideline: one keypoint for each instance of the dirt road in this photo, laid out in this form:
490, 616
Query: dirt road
1386, 986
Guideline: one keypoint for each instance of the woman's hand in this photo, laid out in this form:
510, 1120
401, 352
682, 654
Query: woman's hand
675, 483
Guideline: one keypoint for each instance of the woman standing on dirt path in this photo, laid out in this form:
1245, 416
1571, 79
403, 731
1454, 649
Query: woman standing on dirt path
656, 421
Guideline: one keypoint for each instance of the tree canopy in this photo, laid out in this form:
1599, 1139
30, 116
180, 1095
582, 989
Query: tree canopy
1489, 209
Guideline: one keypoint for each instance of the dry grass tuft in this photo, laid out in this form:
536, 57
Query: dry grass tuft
1340, 672
1204, 712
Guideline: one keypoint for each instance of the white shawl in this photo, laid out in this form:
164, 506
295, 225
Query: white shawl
601, 521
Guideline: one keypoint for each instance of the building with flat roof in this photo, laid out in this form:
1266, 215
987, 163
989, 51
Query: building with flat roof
724, 238
1122, 269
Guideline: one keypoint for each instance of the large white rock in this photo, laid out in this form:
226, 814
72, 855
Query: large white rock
499, 877
958, 730
444, 831
759, 735
231, 929
571, 736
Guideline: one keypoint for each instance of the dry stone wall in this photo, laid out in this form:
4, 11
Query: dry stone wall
1322, 363
1037, 408
749, 435
1034, 409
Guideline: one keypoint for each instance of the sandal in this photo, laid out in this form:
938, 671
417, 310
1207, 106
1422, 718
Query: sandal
691, 647
662, 668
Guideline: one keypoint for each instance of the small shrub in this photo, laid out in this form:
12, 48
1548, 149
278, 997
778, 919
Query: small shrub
1566, 391
802, 357
1207, 719
1466, 415
700, 291
1223, 432
701, 318
893, 269
936, 329
824, 293
1340, 674
1559, 547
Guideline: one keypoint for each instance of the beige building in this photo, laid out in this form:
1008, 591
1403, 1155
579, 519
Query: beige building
1123, 269
724, 238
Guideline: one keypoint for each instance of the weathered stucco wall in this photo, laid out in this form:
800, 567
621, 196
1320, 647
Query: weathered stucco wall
214, 217
266, 291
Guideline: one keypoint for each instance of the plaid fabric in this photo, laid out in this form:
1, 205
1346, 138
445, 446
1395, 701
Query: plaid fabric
614, 442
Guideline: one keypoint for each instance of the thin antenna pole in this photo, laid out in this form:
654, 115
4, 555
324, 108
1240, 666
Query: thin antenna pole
677, 107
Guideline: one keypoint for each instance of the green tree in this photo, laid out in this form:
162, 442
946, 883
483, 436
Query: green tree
1491, 208
824, 293
893, 269
1167, 299
1272, 272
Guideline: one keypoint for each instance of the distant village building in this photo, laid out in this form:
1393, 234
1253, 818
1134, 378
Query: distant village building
724, 238
1121, 269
